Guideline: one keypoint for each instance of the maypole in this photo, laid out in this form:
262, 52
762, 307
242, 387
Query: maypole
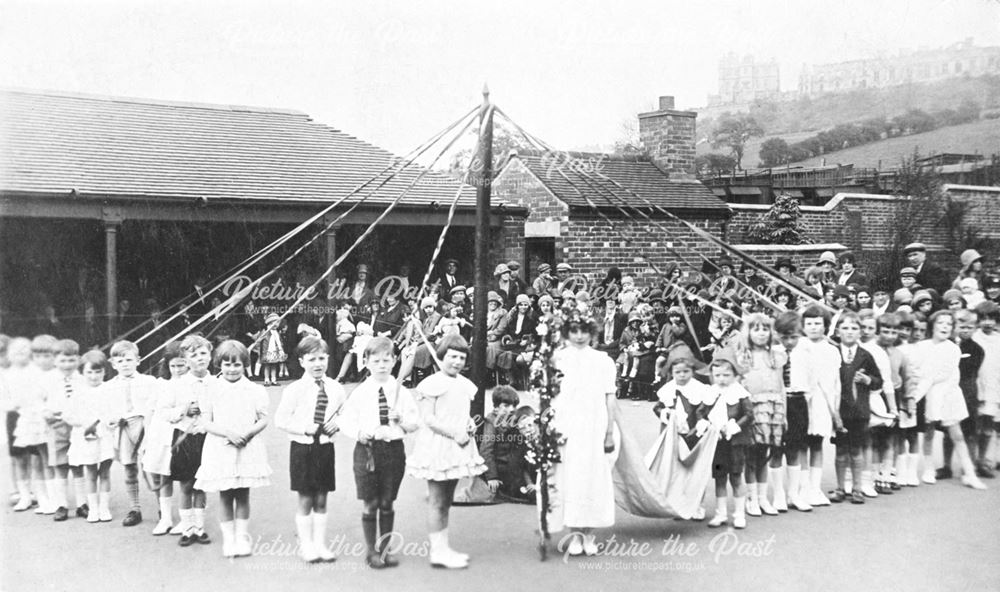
481, 175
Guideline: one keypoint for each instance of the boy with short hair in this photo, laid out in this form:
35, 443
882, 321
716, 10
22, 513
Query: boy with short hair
788, 326
378, 414
60, 391
988, 384
309, 412
43, 363
131, 397
859, 376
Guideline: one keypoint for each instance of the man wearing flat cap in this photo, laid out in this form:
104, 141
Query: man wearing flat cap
565, 280
928, 274
544, 282
515, 276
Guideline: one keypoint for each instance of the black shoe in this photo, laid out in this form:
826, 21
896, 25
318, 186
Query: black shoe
374, 561
837, 495
82, 511
943, 473
857, 497
982, 470
187, 539
61, 514
132, 518
202, 538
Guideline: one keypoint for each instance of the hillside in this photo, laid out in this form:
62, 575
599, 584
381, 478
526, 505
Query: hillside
982, 137
750, 156
832, 109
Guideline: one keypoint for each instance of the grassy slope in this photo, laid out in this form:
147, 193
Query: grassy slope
981, 137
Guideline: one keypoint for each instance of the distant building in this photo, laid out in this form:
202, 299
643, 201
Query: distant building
744, 80
960, 59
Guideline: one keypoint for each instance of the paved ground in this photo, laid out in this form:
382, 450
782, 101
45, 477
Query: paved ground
941, 537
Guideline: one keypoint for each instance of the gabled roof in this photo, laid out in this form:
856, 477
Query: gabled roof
57, 142
574, 177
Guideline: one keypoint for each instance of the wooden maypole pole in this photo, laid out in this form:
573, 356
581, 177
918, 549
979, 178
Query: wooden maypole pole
482, 177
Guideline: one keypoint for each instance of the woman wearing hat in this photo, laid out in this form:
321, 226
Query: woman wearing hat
519, 336
496, 328
505, 287
972, 266
361, 293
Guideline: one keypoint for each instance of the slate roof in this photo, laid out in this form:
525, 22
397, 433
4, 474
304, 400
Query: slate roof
571, 179
54, 142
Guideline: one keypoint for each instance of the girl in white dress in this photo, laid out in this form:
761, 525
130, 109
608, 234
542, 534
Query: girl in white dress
939, 383
91, 444
584, 495
157, 444
234, 460
444, 451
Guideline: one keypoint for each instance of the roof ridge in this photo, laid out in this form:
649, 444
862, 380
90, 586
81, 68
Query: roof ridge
605, 156
155, 102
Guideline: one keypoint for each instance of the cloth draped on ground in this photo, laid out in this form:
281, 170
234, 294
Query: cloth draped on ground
668, 481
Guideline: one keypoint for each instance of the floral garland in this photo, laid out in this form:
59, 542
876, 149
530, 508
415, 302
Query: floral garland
543, 440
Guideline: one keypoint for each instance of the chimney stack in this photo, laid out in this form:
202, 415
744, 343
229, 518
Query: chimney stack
668, 137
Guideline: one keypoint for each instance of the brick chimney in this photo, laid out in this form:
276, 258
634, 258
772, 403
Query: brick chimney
668, 137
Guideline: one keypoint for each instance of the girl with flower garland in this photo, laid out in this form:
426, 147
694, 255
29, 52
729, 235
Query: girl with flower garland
584, 412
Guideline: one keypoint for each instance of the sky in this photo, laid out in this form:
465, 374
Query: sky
572, 73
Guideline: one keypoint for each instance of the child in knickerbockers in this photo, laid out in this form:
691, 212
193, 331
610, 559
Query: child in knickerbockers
181, 405
131, 397
443, 451
234, 459
732, 413
61, 390
859, 376
308, 412
378, 415
788, 327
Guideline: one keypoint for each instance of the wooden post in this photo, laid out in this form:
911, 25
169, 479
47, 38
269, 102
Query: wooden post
112, 220
481, 176
331, 315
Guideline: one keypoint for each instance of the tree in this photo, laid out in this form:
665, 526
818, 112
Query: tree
629, 142
781, 225
714, 164
733, 132
775, 152
504, 141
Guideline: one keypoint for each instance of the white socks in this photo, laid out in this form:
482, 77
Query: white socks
243, 544
319, 536
304, 528
60, 493
199, 518
93, 512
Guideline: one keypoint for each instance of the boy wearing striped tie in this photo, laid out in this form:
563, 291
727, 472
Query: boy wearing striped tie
61, 389
131, 398
308, 412
378, 414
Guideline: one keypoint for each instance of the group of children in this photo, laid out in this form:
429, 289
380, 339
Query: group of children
874, 389
201, 429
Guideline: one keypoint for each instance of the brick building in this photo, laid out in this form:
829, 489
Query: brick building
745, 80
569, 195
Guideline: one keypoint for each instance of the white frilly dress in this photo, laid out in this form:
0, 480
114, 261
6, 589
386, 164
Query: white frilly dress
939, 381
440, 458
237, 406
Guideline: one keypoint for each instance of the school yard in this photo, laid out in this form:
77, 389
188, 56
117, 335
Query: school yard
929, 538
